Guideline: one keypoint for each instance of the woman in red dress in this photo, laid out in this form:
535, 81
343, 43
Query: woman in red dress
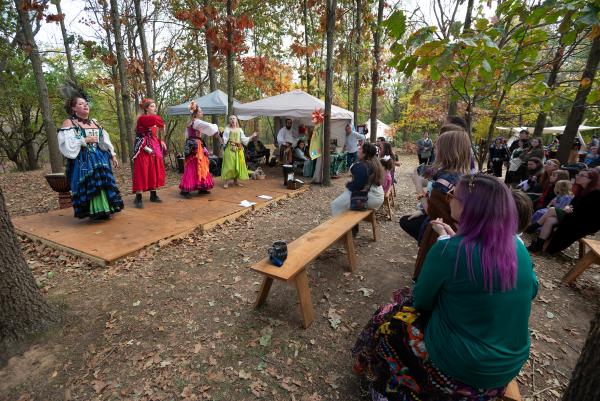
148, 164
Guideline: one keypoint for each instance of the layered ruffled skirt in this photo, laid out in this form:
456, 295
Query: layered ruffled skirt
94, 191
196, 175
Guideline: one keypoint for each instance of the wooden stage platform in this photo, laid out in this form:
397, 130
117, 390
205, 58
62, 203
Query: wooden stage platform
133, 229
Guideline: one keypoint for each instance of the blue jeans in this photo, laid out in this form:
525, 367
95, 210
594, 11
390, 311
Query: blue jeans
351, 158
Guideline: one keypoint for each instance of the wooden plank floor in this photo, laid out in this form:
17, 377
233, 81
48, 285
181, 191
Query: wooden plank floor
133, 229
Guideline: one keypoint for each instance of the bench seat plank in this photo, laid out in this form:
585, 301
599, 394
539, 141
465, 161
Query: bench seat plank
309, 246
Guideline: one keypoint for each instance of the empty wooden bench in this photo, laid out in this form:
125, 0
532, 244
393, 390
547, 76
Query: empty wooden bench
586, 259
307, 248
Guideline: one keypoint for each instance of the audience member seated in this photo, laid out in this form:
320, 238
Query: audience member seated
367, 175
575, 221
562, 199
452, 160
532, 185
388, 165
592, 159
524, 210
548, 193
444, 340
300, 154
257, 150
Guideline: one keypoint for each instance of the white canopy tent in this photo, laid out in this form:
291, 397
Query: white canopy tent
299, 106
514, 132
382, 129
214, 103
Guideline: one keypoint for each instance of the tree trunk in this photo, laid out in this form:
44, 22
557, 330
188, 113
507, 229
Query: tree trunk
584, 381
375, 74
65, 36
540, 122
306, 43
230, 69
483, 150
578, 109
356, 91
212, 83
144, 46
453, 104
114, 14
330, 18
23, 310
28, 138
123, 136
29, 46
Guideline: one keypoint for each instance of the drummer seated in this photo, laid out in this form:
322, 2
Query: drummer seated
256, 150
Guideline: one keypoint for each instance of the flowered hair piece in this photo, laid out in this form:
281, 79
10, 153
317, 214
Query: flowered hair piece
193, 107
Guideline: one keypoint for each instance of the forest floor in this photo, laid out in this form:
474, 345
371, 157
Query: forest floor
177, 322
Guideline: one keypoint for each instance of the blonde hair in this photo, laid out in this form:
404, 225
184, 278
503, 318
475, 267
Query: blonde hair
194, 109
453, 152
563, 187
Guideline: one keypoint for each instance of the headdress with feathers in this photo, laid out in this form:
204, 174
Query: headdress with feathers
71, 90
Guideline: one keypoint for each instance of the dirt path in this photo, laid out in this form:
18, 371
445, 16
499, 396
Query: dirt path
176, 323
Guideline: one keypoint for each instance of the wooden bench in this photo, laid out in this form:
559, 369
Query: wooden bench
307, 248
512, 392
586, 259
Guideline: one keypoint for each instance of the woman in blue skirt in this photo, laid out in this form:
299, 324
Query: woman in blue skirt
89, 153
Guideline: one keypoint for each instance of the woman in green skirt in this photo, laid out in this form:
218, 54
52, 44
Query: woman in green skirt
234, 161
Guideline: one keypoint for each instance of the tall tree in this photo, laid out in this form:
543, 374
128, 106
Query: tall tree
27, 42
356, 58
306, 44
330, 28
146, 62
125, 99
114, 75
579, 104
23, 310
584, 381
212, 80
229, 56
376, 70
66, 41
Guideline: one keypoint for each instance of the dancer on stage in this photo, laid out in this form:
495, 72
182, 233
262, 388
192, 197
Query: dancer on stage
196, 175
234, 161
89, 152
148, 164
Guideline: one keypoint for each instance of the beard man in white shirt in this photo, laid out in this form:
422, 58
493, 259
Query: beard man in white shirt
286, 141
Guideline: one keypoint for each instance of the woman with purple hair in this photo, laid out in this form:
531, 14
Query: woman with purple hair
462, 332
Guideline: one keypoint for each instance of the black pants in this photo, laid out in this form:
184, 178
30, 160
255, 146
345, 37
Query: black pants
423, 160
413, 226
497, 168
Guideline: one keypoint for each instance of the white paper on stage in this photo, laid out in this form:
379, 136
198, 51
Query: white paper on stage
245, 203
266, 197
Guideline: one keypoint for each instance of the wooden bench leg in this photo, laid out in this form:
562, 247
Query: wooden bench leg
373, 224
349, 245
581, 249
264, 292
306, 307
583, 264
512, 392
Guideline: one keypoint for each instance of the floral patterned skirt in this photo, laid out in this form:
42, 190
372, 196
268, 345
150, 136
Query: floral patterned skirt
391, 358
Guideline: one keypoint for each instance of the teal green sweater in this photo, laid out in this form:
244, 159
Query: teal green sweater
477, 337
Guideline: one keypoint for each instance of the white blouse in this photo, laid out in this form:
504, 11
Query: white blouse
205, 128
70, 141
